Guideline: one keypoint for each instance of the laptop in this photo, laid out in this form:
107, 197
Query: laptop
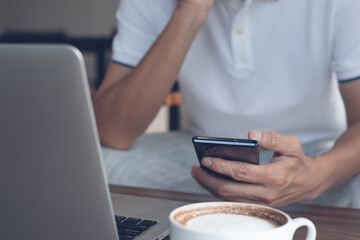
52, 180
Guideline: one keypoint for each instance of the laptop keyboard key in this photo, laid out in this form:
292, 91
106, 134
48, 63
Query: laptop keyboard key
126, 237
141, 228
119, 218
148, 223
130, 232
132, 220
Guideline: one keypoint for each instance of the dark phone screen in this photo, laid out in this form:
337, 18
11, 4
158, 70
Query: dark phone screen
227, 148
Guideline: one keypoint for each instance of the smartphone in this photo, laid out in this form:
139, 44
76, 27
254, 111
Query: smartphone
232, 149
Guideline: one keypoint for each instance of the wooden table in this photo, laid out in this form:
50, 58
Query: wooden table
332, 223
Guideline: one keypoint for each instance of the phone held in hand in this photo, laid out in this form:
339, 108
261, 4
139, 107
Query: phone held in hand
232, 149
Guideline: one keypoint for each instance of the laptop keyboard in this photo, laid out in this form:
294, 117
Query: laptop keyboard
131, 228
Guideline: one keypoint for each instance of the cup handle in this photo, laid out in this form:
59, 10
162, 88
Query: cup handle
299, 222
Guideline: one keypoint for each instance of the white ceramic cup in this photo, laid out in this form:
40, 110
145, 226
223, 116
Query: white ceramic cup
282, 226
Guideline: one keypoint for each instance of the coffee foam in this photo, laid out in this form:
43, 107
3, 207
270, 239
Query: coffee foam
229, 223
271, 217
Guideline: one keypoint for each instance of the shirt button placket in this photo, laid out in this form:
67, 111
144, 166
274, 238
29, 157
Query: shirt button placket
241, 42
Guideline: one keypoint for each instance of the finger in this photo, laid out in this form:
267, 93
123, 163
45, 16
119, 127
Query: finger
240, 171
227, 189
273, 141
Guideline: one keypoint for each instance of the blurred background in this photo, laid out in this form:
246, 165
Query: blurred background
87, 24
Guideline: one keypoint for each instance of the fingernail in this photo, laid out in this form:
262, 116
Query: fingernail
256, 135
206, 162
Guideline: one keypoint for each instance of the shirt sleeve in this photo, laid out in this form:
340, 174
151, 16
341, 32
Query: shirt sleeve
346, 41
135, 33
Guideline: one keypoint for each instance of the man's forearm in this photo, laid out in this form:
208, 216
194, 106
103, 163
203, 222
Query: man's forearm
126, 108
343, 160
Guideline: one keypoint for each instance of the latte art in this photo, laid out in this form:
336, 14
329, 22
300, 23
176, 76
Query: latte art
229, 223
230, 218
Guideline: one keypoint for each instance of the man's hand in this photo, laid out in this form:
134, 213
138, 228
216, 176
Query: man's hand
289, 177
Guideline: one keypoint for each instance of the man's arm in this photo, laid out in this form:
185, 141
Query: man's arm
346, 153
128, 99
290, 176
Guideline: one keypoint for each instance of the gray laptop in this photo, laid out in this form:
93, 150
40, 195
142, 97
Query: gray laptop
52, 180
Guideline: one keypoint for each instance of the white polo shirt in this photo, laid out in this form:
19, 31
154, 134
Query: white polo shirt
256, 64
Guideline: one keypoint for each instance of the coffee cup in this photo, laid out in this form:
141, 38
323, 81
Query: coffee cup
231, 220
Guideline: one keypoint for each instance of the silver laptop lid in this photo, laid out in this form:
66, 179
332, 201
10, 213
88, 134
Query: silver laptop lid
52, 182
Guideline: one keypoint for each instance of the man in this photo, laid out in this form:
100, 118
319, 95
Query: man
243, 65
